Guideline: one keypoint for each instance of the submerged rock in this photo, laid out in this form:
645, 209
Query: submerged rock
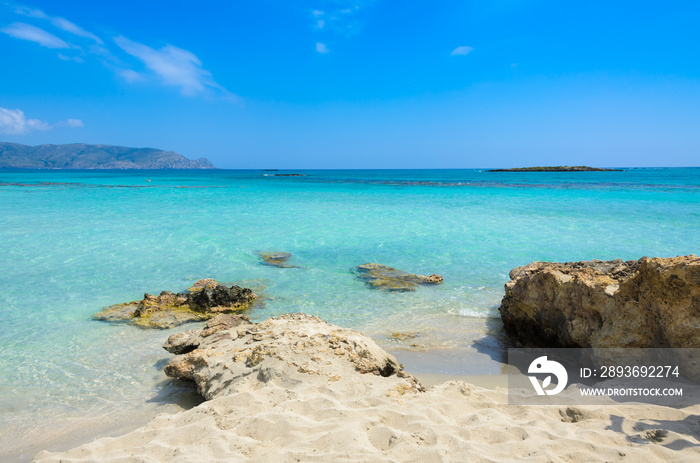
380, 276
646, 303
169, 309
277, 259
403, 336
232, 354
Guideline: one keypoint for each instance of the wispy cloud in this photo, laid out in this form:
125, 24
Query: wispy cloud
321, 48
174, 66
337, 17
461, 51
58, 22
14, 122
130, 75
76, 59
34, 34
169, 65
70, 123
319, 17
71, 28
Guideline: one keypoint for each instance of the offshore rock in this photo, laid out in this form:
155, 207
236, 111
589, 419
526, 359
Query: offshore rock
221, 298
169, 309
646, 303
203, 283
276, 259
380, 276
231, 355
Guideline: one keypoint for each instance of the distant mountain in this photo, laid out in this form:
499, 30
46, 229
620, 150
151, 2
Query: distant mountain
82, 156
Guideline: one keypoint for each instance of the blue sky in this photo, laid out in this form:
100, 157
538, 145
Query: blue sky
359, 84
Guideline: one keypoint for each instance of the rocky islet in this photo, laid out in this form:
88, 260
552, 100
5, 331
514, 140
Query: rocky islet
205, 299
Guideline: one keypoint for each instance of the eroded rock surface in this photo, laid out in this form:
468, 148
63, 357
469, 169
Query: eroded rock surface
380, 276
231, 354
203, 283
206, 299
652, 302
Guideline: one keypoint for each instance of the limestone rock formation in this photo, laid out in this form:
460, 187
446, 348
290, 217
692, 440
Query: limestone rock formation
380, 276
652, 302
231, 354
206, 299
203, 283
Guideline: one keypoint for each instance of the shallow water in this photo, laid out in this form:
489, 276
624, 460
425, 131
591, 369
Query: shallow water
77, 241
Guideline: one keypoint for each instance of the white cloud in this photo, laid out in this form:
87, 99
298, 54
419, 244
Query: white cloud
36, 124
71, 28
34, 34
31, 12
60, 23
340, 17
14, 122
321, 48
71, 123
76, 59
171, 65
130, 75
175, 66
461, 51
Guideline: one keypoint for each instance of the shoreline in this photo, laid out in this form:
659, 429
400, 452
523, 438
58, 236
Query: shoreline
76, 431
22, 444
295, 385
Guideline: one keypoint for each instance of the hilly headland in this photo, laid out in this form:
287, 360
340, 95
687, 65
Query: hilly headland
84, 156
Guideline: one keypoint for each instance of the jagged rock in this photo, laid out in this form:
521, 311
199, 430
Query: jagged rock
182, 343
187, 341
164, 311
277, 259
647, 303
165, 300
169, 309
231, 351
221, 298
203, 283
222, 322
380, 276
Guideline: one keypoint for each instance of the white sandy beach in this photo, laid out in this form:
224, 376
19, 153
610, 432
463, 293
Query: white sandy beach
291, 389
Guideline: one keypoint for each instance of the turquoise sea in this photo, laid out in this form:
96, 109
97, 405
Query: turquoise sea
76, 241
